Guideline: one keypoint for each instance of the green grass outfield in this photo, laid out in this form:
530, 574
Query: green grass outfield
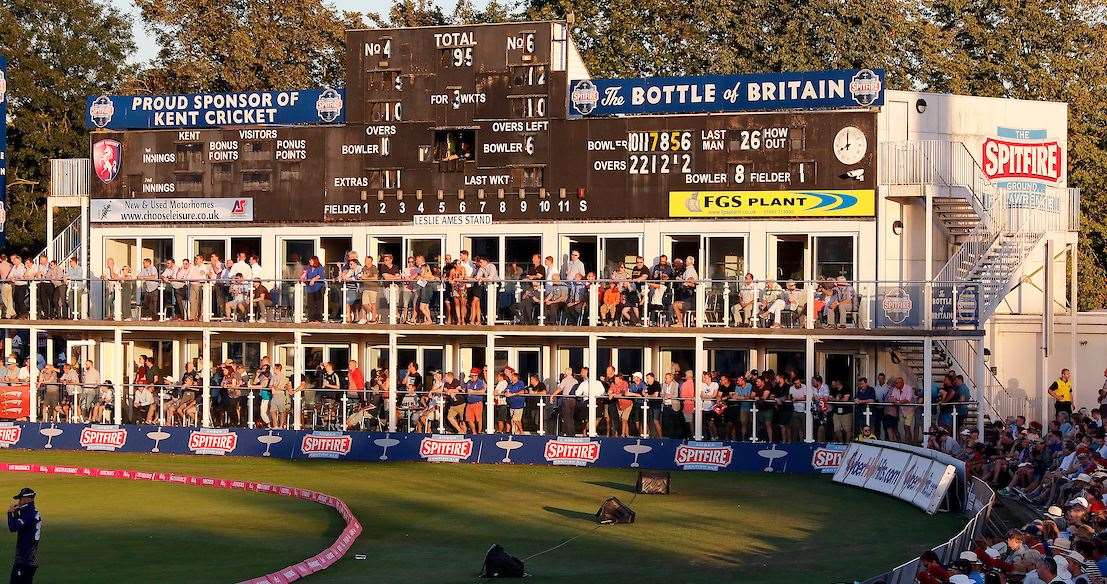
433, 522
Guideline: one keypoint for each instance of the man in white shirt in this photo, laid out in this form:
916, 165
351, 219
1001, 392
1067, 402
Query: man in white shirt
573, 267
255, 267
563, 398
241, 267
798, 393
195, 275
883, 389
591, 390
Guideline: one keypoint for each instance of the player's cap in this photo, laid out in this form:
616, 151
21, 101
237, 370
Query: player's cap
25, 492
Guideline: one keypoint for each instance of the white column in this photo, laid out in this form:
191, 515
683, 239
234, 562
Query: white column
1074, 363
697, 373
592, 376
205, 372
490, 294
297, 374
809, 400
927, 382
490, 384
32, 366
594, 306
120, 375
117, 300
392, 359
1047, 333
980, 374
32, 289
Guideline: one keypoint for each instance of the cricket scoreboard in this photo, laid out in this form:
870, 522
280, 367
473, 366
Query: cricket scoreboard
485, 121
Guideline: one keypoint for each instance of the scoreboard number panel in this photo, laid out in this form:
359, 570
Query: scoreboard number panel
471, 120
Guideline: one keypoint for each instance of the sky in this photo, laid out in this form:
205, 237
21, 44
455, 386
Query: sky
147, 48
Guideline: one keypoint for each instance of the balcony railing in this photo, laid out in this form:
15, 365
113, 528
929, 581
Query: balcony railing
865, 305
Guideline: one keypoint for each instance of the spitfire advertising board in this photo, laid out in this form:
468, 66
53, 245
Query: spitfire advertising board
727, 93
214, 110
631, 453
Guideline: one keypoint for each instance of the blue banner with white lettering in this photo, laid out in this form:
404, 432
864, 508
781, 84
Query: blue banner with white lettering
215, 110
3, 151
645, 453
846, 88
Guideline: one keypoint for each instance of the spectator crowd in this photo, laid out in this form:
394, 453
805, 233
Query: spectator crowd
450, 291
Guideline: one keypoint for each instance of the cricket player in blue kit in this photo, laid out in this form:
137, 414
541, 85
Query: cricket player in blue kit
25, 522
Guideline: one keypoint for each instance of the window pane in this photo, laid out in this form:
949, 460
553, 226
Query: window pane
834, 257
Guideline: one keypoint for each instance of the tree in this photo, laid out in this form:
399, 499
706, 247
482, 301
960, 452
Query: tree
415, 13
58, 52
1042, 50
244, 45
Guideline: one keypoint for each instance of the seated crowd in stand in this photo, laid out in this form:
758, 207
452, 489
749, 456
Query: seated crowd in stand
453, 291
1059, 471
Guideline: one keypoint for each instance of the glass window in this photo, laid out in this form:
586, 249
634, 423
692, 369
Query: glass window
485, 247
619, 250
834, 256
430, 249
158, 250
295, 255
206, 247
725, 258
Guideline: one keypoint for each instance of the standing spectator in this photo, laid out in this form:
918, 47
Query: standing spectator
501, 414
149, 276
475, 394
516, 401
7, 301
904, 395
391, 276
574, 268
75, 286
1061, 391
535, 387
196, 275
455, 403
798, 394
314, 283
370, 291
883, 391
566, 401
843, 410
688, 403
281, 397
45, 287
866, 413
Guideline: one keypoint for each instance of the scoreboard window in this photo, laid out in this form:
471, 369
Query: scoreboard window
189, 154
385, 80
222, 171
451, 145
384, 179
528, 176
259, 179
257, 151
528, 75
290, 171
385, 111
188, 181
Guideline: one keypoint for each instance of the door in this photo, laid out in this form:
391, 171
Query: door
724, 258
429, 248
729, 361
841, 366
791, 259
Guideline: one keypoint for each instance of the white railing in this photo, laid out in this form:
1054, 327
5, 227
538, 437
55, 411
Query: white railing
981, 498
66, 243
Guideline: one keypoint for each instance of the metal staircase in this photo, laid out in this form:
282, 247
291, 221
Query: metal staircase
993, 241
66, 244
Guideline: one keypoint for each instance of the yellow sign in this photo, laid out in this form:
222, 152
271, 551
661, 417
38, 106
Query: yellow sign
813, 203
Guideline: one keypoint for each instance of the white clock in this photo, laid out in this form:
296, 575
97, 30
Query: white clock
850, 145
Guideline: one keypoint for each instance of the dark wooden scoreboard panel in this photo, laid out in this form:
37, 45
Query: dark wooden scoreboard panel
471, 120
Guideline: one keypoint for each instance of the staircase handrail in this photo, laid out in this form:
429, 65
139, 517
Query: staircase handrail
65, 244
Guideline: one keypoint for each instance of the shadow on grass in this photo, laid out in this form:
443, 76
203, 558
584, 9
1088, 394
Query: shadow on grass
611, 485
569, 513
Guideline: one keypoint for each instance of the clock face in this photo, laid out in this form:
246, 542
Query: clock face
850, 145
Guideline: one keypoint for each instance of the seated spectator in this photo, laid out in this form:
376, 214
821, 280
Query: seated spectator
742, 310
772, 304
260, 300
239, 303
